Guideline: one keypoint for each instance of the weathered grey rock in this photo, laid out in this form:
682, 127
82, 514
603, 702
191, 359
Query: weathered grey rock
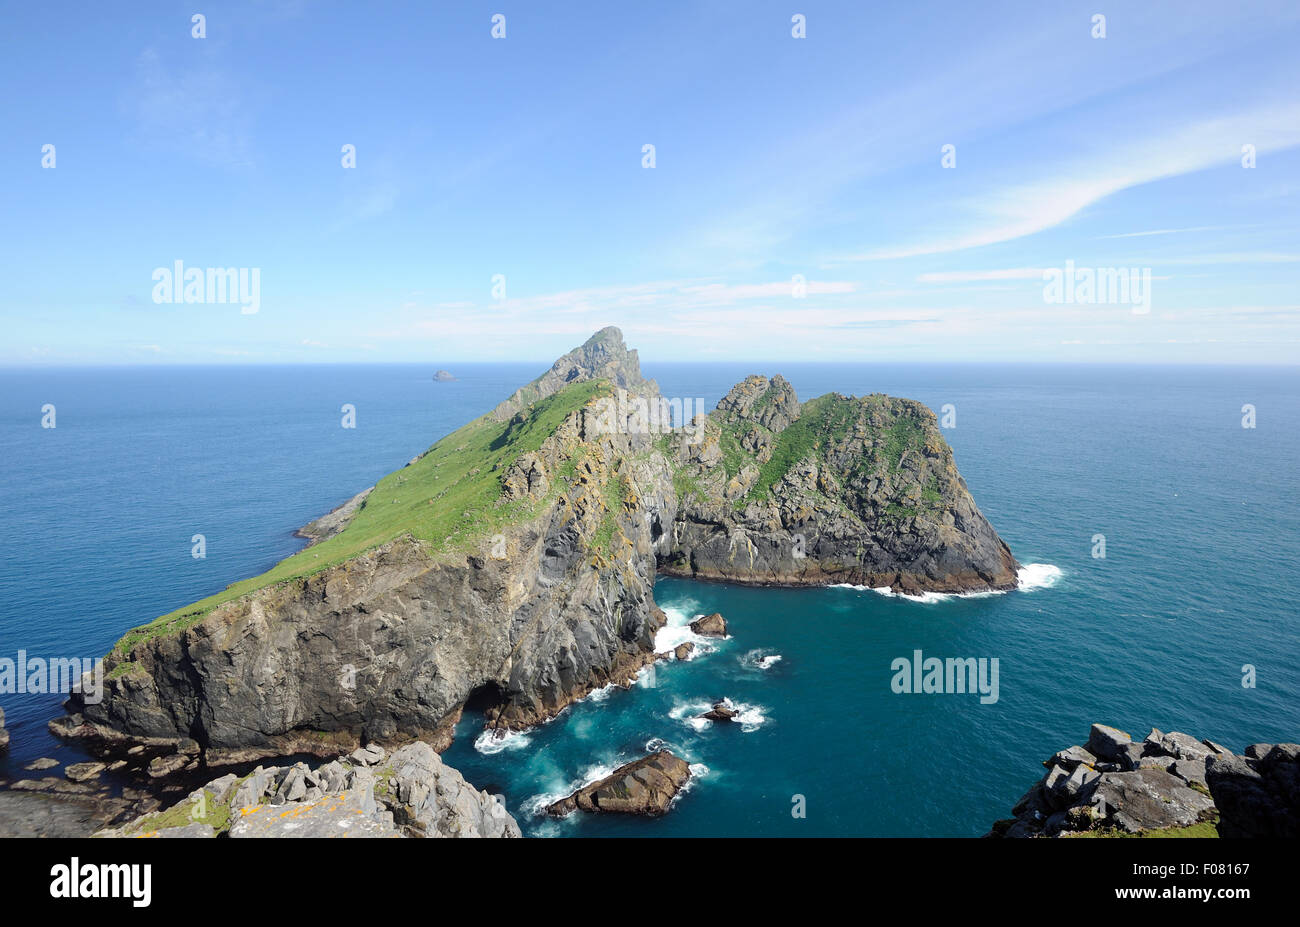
434, 800
334, 816
1190, 771
161, 766
721, 711
1108, 743
1257, 797
1130, 756
1257, 751
645, 786
1071, 758
1184, 747
1217, 748
1147, 799
83, 772
710, 625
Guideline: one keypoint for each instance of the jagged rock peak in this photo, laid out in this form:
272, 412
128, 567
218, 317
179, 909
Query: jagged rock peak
602, 356
770, 403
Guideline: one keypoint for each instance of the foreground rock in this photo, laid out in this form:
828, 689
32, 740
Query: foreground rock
1171, 784
410, 793
1257, 796
646, 786
4, 735
514, 562
710, 626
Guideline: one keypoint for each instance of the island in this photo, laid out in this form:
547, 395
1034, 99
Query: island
514, 563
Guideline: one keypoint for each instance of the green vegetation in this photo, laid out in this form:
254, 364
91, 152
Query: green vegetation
905, 434
1203, 829
734, 457
449, 499
617, 491
212, 812
823, 420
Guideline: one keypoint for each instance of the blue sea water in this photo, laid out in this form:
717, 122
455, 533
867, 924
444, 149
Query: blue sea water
1200, 518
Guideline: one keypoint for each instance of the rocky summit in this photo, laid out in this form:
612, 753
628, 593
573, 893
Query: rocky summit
513, 563
1166, 785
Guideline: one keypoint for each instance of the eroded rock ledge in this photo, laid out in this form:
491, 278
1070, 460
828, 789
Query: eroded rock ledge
411, 793
1170, 783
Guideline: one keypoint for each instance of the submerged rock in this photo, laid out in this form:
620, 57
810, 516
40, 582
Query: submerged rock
646, 786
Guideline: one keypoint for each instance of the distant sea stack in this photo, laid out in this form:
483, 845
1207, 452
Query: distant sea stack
514, 563
444, 376
1167, 785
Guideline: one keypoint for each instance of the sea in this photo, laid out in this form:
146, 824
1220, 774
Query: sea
1154, 509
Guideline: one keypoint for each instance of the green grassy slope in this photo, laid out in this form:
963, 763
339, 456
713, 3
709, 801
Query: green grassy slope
447, 499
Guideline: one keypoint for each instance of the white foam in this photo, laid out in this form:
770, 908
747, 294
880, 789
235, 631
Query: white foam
749, 717
1038, 576
494, 741
677, 631
1029, 577
759, 659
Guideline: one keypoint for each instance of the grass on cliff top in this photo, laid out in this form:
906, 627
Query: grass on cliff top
448, 499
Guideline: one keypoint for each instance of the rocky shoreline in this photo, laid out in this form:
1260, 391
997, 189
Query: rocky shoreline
1164, 785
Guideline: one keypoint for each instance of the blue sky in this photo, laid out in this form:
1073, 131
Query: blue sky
775, 157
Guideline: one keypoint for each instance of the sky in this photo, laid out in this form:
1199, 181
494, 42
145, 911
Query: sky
799, 206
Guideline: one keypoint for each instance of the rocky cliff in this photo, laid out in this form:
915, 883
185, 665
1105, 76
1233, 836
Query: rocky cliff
1169, 785
834, 490
514, 563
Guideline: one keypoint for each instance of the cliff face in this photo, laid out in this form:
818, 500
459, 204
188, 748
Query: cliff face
514, 562
836, 490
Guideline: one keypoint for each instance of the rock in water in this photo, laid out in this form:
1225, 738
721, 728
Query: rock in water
4, 735
721, 711
684, 651
710, 626
443, 376
514, 562
645, 786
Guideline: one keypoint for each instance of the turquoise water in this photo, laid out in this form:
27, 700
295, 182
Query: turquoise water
1200, 516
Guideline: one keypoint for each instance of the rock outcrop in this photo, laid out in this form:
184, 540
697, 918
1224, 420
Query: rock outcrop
513, 563
4, 735
838, 489
411, 793
710, 626
1168, 783
646, 786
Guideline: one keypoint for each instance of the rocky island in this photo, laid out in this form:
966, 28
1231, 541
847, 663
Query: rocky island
513, 563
